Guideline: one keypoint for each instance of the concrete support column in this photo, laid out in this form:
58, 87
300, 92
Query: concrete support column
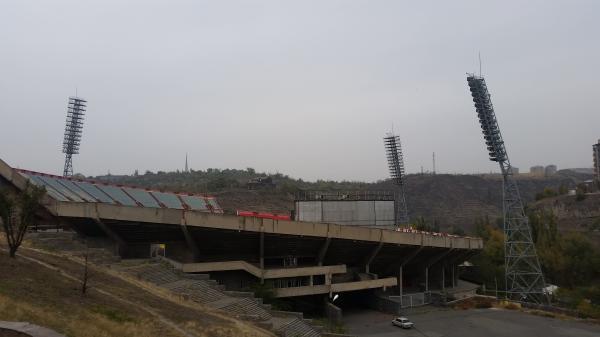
261, 256
310, 281
372, 256
453, 276
400, 284
189, 240
323, 251
426, 279
443, 277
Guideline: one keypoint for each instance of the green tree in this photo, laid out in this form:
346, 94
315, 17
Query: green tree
17, 213
458, 231
490, 262
563, 189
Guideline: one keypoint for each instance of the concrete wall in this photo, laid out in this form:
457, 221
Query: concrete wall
333, 313
356, 213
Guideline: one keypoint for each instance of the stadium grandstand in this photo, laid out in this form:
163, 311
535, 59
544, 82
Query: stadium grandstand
295, 258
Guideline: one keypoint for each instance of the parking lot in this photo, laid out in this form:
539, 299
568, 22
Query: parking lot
467, 323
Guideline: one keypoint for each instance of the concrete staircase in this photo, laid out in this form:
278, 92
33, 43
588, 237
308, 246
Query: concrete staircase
199, 288
295, 327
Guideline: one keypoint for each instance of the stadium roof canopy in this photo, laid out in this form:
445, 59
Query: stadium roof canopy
88, 191
82, 199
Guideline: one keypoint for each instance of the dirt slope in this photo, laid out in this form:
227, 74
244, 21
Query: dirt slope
42, 288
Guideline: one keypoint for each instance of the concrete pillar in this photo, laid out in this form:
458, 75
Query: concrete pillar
400, 285
262, 256
426, 279
310, 281
443, 277
453, 279
189, 240
372, 256
323, 251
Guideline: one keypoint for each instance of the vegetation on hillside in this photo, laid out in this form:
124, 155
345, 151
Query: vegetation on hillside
448, 202
569, 260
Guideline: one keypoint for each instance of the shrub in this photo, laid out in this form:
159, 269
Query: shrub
588, 310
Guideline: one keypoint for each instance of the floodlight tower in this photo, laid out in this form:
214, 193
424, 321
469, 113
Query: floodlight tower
524, 278
393, 149
73, 129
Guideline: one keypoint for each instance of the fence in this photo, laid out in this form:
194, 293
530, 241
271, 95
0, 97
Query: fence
412, 300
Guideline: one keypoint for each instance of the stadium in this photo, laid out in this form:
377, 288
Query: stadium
296, 258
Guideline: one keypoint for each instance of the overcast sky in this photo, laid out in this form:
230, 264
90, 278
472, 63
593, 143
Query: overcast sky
305, 88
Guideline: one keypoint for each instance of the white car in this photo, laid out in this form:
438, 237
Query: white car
402, 322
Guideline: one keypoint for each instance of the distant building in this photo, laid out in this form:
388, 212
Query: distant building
537, 170
550, 170
596, 148
515, 170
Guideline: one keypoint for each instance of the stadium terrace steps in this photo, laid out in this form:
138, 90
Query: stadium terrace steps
293, 327
203, 291
198, 288
243, 307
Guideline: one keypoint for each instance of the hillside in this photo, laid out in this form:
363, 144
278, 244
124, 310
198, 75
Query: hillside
44, 288
573, 215
450, 200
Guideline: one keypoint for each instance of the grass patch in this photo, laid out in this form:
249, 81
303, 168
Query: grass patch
112, 314
474, 302
511, 306
542, 313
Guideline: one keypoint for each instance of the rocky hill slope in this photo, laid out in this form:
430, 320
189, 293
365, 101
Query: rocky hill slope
575, 214
449, 200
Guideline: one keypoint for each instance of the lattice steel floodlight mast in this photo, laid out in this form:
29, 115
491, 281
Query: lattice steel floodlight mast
393, 149
73, 129
524, 278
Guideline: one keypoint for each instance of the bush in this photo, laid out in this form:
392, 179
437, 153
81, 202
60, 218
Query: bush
588, 310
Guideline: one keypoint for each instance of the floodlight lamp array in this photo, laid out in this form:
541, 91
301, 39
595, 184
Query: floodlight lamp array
393, 149
74, 125
487, 118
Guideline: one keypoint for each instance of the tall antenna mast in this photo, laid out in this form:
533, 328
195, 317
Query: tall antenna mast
393, 149
73, 129
524, 278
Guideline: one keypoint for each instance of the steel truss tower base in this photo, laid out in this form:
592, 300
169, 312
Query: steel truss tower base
524, 277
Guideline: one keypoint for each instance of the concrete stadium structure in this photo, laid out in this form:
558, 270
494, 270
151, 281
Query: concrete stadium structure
297, 258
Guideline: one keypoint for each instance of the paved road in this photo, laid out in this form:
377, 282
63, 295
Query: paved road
468, 323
